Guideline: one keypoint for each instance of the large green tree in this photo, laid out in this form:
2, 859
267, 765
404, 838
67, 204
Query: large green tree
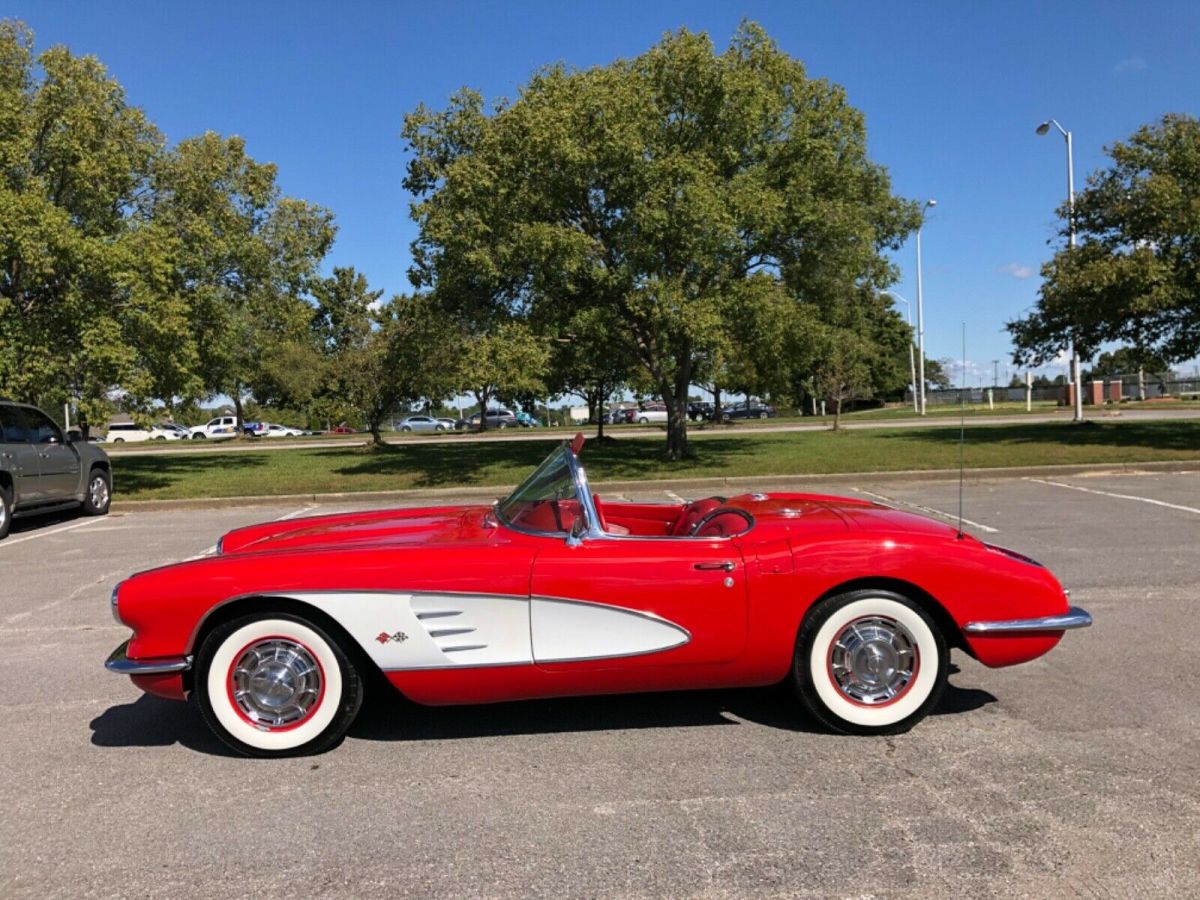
245, 257
79, 317
652, 188
1135, 275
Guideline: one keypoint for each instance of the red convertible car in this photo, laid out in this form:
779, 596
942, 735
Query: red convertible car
552, 592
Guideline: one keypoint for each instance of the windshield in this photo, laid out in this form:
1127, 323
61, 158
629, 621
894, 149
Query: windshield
546, 502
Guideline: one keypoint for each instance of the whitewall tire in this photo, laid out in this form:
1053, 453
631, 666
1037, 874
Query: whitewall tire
276, 685
869, 662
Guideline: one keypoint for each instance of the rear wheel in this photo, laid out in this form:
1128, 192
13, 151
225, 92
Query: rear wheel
762, 415
99, 493
199, 436
6, 504
276, 685
406, 428
869, 662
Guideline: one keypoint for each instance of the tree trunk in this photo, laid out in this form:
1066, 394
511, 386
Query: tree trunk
237, 409
600, 395
716, 392
837, 411
677, 421
375, 419
483, 396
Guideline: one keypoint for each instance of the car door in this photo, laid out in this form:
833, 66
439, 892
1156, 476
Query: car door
19, 456
58, 461
630, 599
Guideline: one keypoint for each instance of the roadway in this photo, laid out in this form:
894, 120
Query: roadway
1076, 774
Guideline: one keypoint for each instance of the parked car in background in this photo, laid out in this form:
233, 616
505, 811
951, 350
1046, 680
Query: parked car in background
623, 415
42, 469
221, 428
425, 424
751, 411
179, 431
651, 413
268, 430
283, 431
496, 418
120, 432
343, 428
700, 410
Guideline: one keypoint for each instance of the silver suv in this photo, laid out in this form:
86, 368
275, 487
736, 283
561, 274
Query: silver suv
42, 470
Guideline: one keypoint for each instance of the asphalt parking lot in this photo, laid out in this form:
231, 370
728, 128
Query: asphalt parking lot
1076, 774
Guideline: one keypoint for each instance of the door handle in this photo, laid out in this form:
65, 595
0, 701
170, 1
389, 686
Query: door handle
715, 566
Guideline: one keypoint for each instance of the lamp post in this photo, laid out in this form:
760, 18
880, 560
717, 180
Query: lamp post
912, 366
1042, 129
921, 313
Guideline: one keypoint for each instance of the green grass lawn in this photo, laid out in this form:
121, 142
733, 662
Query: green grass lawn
446, 465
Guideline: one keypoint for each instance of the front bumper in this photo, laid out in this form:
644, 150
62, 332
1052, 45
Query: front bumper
1072, 618
121, 664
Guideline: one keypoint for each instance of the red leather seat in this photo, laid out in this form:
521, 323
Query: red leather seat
725, 524
692, 513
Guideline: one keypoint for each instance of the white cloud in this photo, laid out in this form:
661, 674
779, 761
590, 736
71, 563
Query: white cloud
1016, 270
1130, 64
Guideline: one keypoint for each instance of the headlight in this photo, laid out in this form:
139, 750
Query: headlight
116, 614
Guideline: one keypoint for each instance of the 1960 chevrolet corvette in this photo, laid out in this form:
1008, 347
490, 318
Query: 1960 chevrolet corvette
551, 592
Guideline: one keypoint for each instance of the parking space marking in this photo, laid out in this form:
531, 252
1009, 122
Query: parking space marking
1077, 487
11, 542
674, 496
928, 509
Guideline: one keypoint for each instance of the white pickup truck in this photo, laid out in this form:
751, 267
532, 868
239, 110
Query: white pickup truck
220, 428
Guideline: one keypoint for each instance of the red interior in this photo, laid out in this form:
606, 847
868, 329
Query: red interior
643, 519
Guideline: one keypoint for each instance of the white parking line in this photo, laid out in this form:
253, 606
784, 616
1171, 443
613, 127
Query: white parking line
674, 496
929, 509
1076, 487
41, 534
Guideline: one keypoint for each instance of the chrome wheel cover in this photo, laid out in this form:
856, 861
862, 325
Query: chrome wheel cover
275, 683
874, 660
98, 492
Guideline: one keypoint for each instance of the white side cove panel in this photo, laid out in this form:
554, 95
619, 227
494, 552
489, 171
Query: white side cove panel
565, 630
432, 631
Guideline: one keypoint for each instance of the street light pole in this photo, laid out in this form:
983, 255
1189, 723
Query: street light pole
921, 313
1076, 378
912, 366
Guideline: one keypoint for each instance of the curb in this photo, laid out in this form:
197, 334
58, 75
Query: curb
672, 484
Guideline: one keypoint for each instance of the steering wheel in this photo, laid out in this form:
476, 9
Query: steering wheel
695, 530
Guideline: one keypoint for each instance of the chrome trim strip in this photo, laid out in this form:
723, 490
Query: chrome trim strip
120, 663
1072, 618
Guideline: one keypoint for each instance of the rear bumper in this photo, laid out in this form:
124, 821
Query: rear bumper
1072, 618
121, 664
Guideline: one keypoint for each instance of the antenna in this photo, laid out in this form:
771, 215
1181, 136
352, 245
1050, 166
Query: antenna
962, 431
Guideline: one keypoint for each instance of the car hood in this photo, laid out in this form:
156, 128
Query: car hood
393, 527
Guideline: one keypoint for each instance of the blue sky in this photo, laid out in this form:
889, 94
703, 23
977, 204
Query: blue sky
952, 92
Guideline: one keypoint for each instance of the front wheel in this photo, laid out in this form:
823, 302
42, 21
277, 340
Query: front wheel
869, 662
276, 685
199, 436
99, 493
406, 428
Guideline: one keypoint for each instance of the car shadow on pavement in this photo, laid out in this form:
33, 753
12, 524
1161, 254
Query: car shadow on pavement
390, 718
393, 718
153, 722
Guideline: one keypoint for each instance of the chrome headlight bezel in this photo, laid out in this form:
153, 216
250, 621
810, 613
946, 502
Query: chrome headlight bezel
114, 601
